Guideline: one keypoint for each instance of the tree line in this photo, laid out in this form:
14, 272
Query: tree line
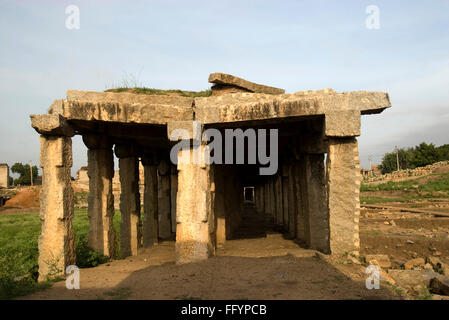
411, 158
24, 172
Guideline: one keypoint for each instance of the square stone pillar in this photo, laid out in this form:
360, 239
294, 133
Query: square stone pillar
279, 200
272, 190
130, 233
164, 202
194, 216
100, 210
266, 200
292, 201
285, 190
316, 212
219, 206
302, 224
57, 240
343, 180
150, 202
173, 195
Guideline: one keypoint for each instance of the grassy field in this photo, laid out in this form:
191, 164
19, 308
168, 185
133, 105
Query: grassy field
19, 251
432, 186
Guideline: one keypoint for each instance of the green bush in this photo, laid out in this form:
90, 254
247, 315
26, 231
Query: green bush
86, 257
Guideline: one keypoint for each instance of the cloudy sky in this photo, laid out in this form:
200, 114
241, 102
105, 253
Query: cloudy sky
296, 45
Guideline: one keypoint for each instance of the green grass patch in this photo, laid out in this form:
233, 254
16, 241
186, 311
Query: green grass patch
19, 235
152, 91
373, 200
438, 184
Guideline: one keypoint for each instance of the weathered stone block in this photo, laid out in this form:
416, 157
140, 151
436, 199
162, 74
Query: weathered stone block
51, 124
342, 123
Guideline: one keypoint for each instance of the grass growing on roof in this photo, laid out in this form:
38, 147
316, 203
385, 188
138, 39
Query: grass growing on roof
152, 91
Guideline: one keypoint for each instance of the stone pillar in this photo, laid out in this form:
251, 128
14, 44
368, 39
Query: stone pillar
279, 200
173, 195
57, 240
343, 177
256, 198
150, 201
164, 203
285, 183
219, 206
302, 224
100, 170
292, 202
315, 206
260, 201
129, 200
194, 216
273, 199
266, 199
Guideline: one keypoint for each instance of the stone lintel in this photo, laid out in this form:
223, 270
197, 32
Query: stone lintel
126, 150
97, 141
150, 159
227, 79
185, 130
344, 123
236, 107
51, 125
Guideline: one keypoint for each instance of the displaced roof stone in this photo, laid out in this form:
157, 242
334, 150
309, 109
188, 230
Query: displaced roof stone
227, 79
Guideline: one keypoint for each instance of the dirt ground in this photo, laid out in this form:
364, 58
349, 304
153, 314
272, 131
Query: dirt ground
260, 268
261, 263
25, 197
403, 235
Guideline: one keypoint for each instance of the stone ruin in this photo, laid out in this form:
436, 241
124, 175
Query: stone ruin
314, 195
4, 175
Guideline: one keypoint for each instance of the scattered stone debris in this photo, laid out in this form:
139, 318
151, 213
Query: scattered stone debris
440, 285
417, 262
379, 259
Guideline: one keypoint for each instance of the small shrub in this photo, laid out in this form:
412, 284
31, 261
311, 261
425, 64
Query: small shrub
86, 257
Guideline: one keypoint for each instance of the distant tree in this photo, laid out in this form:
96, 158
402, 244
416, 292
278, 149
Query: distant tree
24, 173
389, 160
443, 152
423, 155
419, 156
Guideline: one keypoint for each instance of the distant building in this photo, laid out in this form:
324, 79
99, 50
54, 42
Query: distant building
4, 175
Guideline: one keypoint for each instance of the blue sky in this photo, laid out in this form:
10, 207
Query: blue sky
295, 45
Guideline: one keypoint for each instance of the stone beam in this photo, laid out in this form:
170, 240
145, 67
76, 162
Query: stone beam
125, 107
230, 80
51, 125
236, 107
